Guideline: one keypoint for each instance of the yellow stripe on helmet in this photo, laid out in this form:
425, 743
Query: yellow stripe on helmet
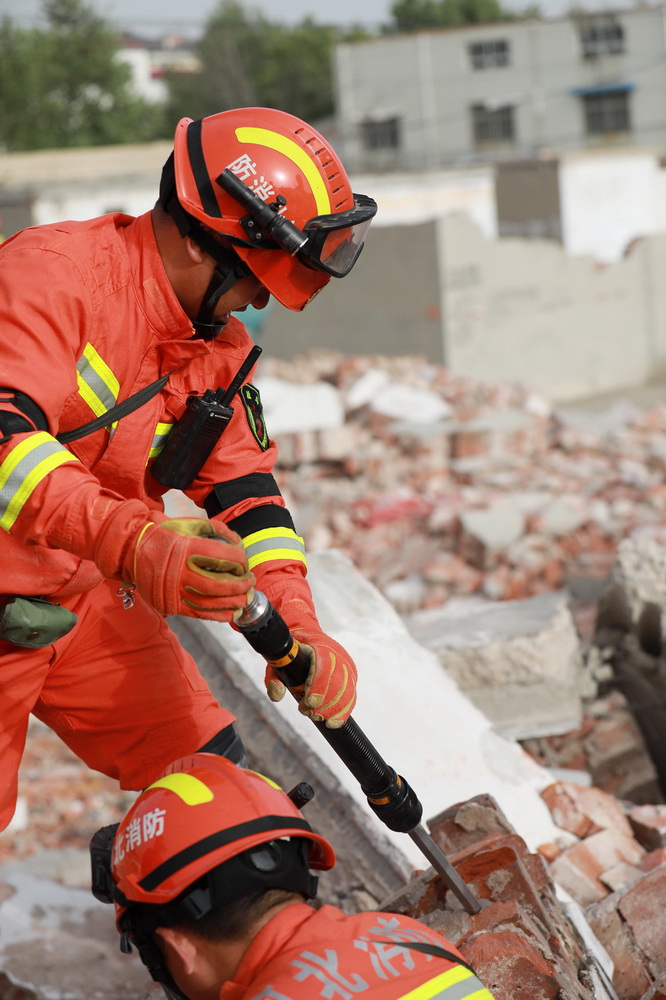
188, 788
269, 781
290, 149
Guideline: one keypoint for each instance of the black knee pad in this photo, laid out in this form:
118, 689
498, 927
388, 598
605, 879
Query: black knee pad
227, 743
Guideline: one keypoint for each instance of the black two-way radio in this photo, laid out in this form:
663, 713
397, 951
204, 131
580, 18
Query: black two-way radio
197, 432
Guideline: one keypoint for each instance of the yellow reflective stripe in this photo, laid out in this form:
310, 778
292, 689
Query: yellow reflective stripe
162, 432
273, 543
24, 468
440, 985
290, 149
466, 988
89, 396
277, 554
191, 790
100, 366
98, 386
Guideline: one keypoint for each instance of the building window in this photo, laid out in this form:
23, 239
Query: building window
492, 124
607, 112
381, 133
601, 37
487, 55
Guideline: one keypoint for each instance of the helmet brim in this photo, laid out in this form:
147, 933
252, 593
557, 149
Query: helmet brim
291, 282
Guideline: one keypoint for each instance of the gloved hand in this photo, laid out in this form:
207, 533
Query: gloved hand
181, 566
329, 693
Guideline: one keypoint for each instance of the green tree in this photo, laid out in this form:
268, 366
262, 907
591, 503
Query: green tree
64, 85
248, 60
418, 15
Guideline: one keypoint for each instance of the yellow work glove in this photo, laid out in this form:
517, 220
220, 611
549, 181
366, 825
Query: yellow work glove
329, 692
183, 566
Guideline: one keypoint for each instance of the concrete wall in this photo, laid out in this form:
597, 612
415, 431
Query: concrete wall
608, 199
389, 303
49, 186
594, 202
526, 311
408, 198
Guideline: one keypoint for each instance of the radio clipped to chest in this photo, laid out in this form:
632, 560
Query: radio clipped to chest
198, 430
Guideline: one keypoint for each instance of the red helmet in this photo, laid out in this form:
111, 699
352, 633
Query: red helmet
309, 226
201, 813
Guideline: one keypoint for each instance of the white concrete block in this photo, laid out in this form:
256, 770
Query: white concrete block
290, 407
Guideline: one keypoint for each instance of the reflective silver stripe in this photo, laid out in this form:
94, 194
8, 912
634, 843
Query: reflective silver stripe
455, 984
159, 439
24, 468
471, 987
98, 386
273, 543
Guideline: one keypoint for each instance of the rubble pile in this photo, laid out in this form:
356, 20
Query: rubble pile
477, 509
436, 485
607, 750
532, 936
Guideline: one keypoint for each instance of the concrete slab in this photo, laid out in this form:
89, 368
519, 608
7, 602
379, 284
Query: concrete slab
519, 661
59, 943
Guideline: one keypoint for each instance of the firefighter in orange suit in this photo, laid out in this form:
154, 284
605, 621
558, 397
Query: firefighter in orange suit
210, 874
252, 203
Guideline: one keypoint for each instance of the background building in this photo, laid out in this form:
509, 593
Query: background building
505, 90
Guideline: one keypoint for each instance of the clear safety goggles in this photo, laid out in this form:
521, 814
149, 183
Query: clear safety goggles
335, 241
329, 243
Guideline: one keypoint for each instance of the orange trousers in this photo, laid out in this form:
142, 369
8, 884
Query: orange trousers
118, 689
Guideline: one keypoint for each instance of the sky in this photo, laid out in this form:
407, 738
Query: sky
154, 18
176, 16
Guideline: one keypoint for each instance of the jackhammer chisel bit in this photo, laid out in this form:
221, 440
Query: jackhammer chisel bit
389, 795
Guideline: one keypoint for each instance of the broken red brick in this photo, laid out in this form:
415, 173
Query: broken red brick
630, 977
649, 825
549, 851
653, 859
620, 875
501, 868
466, 823
510, 967
643, 905
578, 868
584, 811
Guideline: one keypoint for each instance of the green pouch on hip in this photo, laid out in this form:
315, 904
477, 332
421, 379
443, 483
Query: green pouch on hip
32, 622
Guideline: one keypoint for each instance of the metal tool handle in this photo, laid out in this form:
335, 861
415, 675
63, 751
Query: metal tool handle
389, 795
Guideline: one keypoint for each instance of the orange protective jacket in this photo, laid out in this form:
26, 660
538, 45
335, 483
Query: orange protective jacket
302, 953
88, 318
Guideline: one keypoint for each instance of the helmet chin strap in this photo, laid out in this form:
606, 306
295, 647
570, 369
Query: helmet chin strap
229, 267
224, 277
